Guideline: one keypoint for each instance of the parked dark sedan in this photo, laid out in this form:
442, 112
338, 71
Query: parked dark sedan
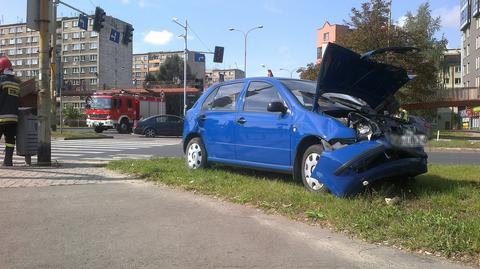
167, 125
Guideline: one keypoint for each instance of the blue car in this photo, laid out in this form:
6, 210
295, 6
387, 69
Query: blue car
338, 133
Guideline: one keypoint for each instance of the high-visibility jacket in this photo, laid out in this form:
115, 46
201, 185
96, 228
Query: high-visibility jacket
9, 98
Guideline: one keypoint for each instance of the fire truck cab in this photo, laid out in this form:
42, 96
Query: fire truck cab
119, 111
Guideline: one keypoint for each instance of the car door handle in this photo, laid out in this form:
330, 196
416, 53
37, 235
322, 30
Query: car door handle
202, 118
241, 120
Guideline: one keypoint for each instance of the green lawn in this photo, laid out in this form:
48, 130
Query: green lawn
439, 213
68, 134
454, 143
454, 133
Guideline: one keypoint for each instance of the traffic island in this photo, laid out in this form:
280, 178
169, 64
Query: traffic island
78, 135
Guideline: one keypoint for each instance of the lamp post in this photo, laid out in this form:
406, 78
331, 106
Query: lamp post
185, 27
290, 71
245, 35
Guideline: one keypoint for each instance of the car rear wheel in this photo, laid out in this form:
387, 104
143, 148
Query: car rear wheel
310, 159
98, 130
150, 133
196, 154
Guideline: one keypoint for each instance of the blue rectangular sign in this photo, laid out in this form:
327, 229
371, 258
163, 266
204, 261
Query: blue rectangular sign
115, 36
83, 22
199, 57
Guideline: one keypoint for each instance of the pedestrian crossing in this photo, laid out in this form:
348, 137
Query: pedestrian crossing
100, 150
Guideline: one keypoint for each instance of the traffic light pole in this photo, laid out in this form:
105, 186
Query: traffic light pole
44, 98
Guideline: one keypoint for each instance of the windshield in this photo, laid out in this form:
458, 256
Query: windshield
304, 91
100, 103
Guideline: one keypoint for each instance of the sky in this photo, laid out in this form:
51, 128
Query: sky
286, 41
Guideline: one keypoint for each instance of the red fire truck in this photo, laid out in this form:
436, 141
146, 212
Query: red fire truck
119, 110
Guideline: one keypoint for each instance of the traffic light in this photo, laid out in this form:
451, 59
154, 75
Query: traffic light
99, 19
218, 55
127, 34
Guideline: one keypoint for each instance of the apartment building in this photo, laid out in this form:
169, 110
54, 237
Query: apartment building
144, 63
219, 75
87, 60
470, 27
328, 33
451, 69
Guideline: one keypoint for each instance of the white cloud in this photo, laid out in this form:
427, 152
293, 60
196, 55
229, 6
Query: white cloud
449, 16
141, 3
125, 1
158, 38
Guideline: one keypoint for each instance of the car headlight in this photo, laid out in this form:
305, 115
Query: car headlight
364, 131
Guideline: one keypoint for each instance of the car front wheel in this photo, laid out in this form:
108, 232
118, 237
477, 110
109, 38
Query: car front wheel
309, 161
150, 133
196, 154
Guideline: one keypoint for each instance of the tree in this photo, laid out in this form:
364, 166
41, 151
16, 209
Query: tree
310, 72
72, 115
171, 71
372, 29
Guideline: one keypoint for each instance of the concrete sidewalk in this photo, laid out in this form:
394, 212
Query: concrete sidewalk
70, 173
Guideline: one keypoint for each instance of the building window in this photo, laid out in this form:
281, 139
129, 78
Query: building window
93, 34
28, 62
19, 74
29, 39
83, 70
477, 81
468, 69
82, 46
20, 29
65, 71
93, 69
35, 39
12, 41
65, 36
75, 70
66, 24
93, 81
75, 23
75, 58
11, 30
326, 37
90, 21
93, 57
82, 34
65, 59
457, 81
19, 51
319, 52
93, 46
3, 42
76, 35
83, 58
35, 61
19, 62
65, 47
446, 80
28, 51
457, 69
19, 41
76, 47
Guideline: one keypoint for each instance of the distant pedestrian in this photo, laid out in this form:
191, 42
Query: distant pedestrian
269, 73
9, 101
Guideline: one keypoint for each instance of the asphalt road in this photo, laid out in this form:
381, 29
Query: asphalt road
138, 225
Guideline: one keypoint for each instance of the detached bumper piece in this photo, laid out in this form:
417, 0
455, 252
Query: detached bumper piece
345, 171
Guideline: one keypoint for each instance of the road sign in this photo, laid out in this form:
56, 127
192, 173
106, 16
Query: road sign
33, 14
115, 36
199, 57
83, 22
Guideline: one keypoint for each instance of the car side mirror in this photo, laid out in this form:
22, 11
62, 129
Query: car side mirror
277, 107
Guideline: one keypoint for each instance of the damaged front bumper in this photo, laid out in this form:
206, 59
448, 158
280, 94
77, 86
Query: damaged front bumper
347, 170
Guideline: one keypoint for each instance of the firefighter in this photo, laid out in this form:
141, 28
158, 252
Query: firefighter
9, 101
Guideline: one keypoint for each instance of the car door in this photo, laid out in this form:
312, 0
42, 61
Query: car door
217, 121
263, 137
160, 125
174, 125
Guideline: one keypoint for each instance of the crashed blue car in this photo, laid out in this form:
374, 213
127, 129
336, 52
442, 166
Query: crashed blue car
338, 134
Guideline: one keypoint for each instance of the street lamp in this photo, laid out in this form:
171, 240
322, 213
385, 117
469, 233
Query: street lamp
290, 71
185, 36
245, 35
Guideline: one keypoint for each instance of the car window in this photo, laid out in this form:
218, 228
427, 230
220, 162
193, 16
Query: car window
259, 94
161, 119
227, 96
207, 104
172, 119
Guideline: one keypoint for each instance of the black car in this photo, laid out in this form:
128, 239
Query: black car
163, 125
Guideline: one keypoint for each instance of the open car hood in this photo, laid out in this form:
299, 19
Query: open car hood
346, 72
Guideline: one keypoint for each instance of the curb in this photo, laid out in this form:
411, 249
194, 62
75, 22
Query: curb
87, 137
443, 149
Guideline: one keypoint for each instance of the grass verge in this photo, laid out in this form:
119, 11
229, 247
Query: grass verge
440, 212
454, 144
67, 134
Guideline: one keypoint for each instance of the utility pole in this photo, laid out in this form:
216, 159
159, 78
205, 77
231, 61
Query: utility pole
44, 98
185, 56
53, 64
